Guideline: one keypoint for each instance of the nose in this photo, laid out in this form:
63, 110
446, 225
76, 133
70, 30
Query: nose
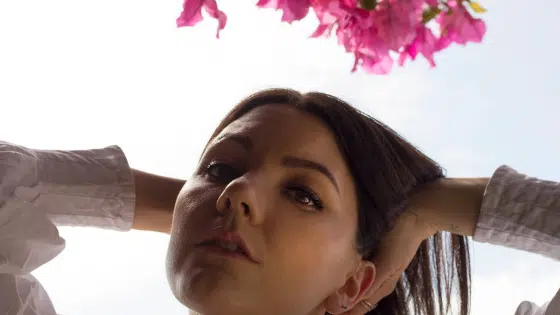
238, 202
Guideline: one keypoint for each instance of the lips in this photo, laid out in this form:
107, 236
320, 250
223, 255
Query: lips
230, 243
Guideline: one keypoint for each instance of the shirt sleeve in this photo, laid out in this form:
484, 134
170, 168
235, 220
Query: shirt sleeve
40, 189
522, 212
548, 308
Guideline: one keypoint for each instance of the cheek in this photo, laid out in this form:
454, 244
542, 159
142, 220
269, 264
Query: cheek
193, 215
315, 251
196, 201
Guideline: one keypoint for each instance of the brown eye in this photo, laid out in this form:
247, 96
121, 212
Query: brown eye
305, 197
302, 198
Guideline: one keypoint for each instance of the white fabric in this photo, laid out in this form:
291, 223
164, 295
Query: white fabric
42, 189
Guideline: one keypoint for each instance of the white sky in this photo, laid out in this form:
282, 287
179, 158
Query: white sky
77, 74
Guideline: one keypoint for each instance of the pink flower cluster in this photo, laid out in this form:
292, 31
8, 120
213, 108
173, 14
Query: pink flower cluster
377, 32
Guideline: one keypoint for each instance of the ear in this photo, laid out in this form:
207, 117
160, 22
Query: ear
353, 290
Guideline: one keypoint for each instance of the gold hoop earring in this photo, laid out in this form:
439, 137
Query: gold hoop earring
368, 306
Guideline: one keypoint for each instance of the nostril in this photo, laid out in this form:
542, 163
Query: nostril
228, 203
245, 208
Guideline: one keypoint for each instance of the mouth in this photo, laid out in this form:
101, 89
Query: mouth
229, 244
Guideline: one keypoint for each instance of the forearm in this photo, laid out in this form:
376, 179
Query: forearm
461, 204
155, 200
453, 204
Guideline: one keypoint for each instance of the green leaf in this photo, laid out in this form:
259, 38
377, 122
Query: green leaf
476, 7
368, 4
429, 14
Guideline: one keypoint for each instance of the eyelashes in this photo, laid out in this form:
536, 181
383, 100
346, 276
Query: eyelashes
305, 196
224, 173
221, 172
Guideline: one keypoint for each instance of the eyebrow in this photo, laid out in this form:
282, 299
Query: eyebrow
291, 161
244, 141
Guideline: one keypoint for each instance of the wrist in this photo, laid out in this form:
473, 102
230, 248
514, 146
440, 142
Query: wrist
453, 204
151, 219
155, 201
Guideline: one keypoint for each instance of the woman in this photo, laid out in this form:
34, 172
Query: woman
297, 207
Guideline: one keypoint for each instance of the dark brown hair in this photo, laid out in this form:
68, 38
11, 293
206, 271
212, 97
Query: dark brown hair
386, 169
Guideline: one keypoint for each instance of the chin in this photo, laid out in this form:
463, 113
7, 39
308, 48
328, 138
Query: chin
210, 291
215, 306
219, 302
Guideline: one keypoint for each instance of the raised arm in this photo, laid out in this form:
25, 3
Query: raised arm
509, 209
40, 189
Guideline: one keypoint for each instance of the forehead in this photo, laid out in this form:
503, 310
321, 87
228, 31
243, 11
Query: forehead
284, 128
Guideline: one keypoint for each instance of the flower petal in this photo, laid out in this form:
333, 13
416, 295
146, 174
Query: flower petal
211, 8
191, 13
292, 10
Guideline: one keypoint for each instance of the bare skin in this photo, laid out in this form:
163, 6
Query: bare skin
450, 205
276, 179
155, 199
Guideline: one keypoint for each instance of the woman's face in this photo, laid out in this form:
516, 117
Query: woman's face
267, 223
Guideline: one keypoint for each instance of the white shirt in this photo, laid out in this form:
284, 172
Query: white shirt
40, 190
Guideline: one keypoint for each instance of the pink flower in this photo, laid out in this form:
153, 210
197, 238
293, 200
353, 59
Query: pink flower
458, 26
397, 20
377, 65
375, 33
293, 10
356, 31
424, 43
191, 14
